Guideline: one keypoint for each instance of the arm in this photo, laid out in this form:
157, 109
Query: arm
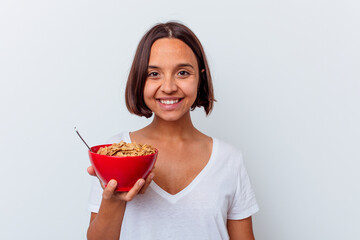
106, 224
240, 229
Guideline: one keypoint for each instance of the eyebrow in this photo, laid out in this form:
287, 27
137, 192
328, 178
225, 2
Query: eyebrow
179, 65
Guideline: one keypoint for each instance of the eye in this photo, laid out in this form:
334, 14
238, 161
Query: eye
183, 73
153, 74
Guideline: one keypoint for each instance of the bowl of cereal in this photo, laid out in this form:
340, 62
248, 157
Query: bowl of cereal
124, 162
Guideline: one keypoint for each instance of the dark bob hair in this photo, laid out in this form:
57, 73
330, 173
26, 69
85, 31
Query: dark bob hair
134, 92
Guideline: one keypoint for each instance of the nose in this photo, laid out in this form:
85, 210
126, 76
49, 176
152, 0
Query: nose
168, 85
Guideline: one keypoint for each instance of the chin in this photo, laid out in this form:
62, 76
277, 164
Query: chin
170, 117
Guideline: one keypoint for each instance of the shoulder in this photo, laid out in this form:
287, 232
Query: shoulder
228, 152
227, 148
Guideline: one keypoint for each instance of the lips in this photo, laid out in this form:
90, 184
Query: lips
169, 101
169, 104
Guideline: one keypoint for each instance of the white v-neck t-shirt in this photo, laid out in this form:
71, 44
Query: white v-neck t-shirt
200, 211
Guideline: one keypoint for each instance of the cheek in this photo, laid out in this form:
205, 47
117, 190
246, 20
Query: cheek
149, 92
191, 89
148, 89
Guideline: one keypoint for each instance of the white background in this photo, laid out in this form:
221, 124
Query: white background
287, 82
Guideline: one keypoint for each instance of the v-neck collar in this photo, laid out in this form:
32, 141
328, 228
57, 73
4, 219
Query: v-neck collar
173, 198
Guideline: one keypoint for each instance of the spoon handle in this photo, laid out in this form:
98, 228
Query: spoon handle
82, 139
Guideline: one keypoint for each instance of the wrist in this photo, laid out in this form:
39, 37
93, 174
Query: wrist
113, 202
111, 209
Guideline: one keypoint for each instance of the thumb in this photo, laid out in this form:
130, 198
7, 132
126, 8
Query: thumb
109, 189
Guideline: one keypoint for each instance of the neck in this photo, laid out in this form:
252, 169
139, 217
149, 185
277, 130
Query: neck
174, 130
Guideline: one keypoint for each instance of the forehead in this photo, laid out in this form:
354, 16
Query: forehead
170, 51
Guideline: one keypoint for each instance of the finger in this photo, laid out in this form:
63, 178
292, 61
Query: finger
135, 189
109, 189
147, 183
91, 171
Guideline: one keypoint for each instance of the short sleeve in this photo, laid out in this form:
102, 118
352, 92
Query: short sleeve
95, 196
244, 203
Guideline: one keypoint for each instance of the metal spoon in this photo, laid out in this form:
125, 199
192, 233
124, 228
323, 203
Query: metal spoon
82, 139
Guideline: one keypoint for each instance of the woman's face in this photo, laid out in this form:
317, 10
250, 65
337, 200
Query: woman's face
172, 80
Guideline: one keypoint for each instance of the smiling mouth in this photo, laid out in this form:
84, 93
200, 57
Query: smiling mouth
170, 101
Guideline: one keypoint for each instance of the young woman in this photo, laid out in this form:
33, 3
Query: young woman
199, 188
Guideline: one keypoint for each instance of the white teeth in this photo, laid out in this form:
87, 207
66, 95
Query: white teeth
169, 101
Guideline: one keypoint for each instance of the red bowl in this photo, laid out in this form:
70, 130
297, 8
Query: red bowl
125, 170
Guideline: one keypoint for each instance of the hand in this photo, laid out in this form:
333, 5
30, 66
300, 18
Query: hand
109, 191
